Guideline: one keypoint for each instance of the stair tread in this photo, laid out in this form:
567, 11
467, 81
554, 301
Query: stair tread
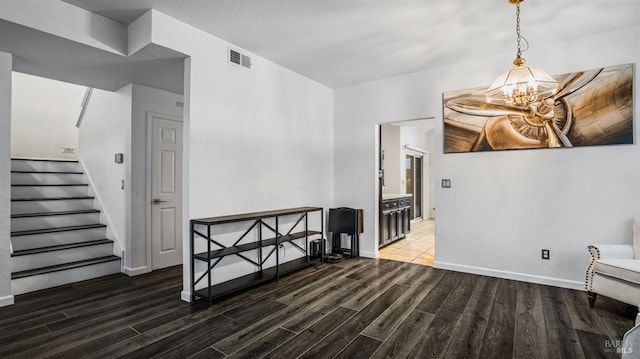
65, 266
56, 229
53, 172
59, 213
60, 247
51, 198
51, 185
43, 160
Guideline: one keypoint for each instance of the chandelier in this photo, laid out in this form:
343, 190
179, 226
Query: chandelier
522, 85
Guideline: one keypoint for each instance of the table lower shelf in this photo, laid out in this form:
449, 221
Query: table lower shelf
255, 278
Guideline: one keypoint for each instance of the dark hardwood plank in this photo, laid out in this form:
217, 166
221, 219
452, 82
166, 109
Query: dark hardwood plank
498, 336
305, 340
208, 353
66, 338
388, 321
596, 345
402, 341
23, 326
361, 348
435, 339
439, 295
396, 310
244, 337
563, 339
264, 345
466, 340
530, 328
347, 332
381, 283
86, 348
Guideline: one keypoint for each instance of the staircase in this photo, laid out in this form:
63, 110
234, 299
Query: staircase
56, 234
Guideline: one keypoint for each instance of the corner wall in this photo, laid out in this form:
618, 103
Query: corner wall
257, 139
503, 207
6, 298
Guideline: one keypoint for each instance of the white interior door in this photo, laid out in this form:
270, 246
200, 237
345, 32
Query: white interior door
166, 192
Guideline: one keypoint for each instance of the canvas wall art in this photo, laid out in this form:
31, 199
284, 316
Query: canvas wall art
593, 107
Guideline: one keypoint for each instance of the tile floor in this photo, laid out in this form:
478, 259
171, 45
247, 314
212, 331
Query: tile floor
417, 247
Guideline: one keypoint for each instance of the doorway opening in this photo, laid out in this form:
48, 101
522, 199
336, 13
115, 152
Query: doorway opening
406, 223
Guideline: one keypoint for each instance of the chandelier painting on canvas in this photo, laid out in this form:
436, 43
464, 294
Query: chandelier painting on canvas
593, 107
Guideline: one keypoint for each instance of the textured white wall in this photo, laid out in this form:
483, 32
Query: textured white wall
503, 207
5, 179
44, 116
105, 131
258, 139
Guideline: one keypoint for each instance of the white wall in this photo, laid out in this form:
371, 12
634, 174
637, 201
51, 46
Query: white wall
6, 298
144, 99
503, 207
257, 139
105, 131
44, 116
393, 164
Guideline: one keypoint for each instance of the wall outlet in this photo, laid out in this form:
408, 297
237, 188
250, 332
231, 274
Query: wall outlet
545, 254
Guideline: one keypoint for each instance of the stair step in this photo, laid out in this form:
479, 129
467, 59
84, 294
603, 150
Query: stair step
34, 165
51, 205
51, 199
49, 191
59, 213
60, 247
51, 185
61, 267
51, 172
52, 255
56, 229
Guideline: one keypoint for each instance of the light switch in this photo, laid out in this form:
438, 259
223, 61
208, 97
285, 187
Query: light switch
446, 183
119, 157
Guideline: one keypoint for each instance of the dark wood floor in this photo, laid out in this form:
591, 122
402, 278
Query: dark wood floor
355, 309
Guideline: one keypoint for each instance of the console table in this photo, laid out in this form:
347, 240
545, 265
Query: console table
267, 236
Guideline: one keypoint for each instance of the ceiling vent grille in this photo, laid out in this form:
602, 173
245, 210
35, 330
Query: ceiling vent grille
235, 57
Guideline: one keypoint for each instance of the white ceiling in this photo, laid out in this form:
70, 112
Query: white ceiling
344, 42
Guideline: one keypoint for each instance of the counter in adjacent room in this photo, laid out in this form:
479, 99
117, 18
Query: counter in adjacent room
395, 220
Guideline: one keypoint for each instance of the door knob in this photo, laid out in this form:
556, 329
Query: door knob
158, 201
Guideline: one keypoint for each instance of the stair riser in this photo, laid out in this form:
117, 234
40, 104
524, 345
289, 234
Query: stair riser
51, 239
65, 220
44, 166
39, 260
48, 192
46, 178
22, 207
54, 279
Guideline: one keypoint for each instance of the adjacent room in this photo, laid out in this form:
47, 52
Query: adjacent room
319, 179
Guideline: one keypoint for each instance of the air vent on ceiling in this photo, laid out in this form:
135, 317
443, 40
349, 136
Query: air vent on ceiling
235, 57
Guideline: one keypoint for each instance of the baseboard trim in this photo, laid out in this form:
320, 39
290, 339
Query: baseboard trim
556, 282
185, 296
132, 272
7, 300
367, 254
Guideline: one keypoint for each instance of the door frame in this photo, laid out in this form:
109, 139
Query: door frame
148, 173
